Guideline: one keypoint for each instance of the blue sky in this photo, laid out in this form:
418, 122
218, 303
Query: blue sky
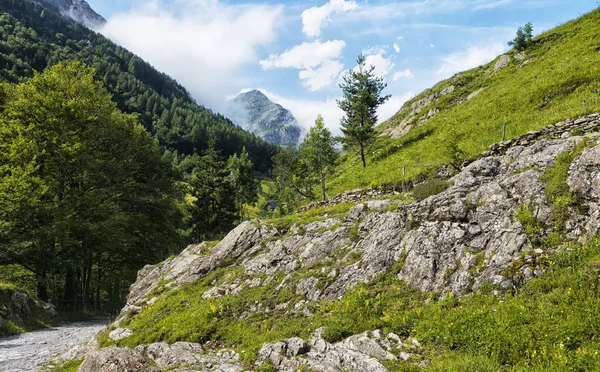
296, 51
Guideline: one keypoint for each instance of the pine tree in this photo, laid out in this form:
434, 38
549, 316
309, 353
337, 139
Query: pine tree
362, 96
523, 38
241, 177
318, 150
214, 208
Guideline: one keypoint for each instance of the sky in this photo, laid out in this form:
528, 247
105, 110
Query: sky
296, 52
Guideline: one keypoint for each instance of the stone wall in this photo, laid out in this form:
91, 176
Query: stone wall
564, 129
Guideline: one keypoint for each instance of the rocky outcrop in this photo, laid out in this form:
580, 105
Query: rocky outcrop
362, 352
180, 357
502, 62
455, 241
254, 112
17, 308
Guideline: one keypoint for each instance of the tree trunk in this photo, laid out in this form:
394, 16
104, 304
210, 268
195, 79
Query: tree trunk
42, 285
362, 156
323, 188
69, 297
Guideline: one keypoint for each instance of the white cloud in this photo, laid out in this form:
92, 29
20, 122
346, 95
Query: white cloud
472, 57
432, 45
397, 47
319, 78
400, 38
306, 55
383, 65
203, 44
315, 18
306, 110
489, 4
318, 61
403, 74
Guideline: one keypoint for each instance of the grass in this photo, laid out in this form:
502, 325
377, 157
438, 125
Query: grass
550, 324
69, 366
429, 188
311, 215
560, 81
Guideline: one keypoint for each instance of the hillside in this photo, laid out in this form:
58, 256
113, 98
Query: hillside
557, 78
254, 112
34, 35
497, 272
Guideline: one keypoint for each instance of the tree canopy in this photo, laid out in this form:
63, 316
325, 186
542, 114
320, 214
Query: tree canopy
83, 190
318, 150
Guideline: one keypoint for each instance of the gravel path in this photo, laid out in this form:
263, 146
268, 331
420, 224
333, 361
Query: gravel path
25, 352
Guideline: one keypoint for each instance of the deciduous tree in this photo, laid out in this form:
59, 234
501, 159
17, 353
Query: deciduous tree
318, 151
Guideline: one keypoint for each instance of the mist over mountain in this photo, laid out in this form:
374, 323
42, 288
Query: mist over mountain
78, 10
254, 112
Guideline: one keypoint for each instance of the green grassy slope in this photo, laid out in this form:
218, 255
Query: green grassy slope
551, 324
558, 78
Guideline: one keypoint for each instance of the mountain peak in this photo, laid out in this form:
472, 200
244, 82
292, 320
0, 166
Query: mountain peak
78, 10
255, 112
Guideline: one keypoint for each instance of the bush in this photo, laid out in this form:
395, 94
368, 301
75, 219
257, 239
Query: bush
523, 38
429, 188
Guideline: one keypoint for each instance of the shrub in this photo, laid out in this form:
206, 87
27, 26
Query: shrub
429, 188
523, 38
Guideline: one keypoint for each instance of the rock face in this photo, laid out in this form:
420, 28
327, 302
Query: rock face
78, 10
254, 112
455, 241
19, 309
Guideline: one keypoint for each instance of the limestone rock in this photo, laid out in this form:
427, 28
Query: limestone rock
119, 334
502, 63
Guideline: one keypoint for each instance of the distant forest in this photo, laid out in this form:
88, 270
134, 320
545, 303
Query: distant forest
33, 37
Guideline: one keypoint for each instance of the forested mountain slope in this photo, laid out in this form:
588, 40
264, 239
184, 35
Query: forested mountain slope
555, 78
34, 36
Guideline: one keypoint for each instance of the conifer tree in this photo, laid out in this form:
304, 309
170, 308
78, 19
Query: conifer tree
362, 96
214, 208
523, 38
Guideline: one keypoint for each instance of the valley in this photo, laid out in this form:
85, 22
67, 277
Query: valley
459, 234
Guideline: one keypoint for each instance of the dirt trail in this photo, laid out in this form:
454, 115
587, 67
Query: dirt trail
25, 352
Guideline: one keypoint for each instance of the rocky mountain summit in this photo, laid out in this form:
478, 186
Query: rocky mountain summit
254, 112
78, 10
483, 231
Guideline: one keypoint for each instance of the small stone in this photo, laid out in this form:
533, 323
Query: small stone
394, 337
297, 346
119, 334
404, 356
413, 341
